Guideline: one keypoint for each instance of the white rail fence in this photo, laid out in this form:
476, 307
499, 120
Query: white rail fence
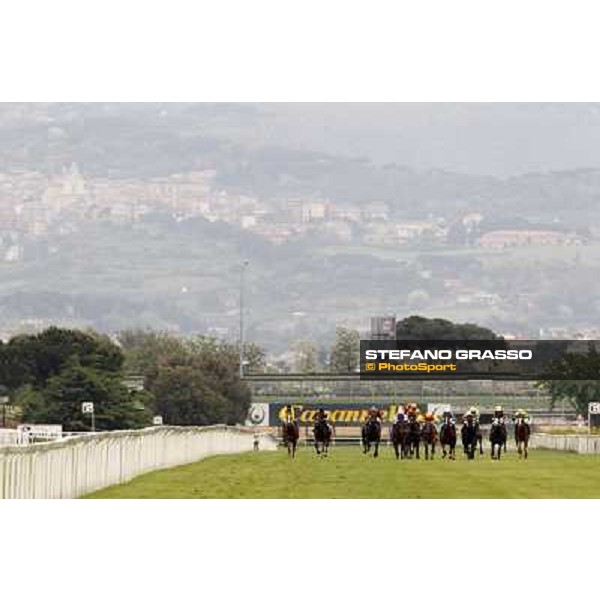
582, 444
8, 437
72, 467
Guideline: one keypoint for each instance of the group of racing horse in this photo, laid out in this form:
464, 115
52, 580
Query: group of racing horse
413, 435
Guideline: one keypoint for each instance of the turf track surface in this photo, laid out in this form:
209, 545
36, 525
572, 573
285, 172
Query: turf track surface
347, 473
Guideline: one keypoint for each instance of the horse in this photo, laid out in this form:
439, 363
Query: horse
522, 433
480, 440
291, 433
322, 435
498, 438
429, 437
468, 434
413, 437
448, 438
398, 437
371, 434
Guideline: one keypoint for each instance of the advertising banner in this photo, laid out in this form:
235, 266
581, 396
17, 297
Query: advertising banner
340, 414
258, 414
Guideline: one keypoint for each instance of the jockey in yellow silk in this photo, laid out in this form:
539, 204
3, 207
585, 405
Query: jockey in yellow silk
289, 415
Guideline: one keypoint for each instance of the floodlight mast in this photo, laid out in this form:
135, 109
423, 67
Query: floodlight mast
242, 282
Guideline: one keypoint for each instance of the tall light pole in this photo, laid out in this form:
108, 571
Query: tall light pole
242, 274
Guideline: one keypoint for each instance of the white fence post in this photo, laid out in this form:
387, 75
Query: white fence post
75, 466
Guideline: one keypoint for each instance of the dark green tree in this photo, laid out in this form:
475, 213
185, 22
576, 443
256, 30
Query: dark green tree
60, 401
194, 381
574, 378
421, 328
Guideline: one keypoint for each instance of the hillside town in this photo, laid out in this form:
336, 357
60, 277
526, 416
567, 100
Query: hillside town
32, 204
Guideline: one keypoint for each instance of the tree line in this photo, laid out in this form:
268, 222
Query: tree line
195, 381
192, 381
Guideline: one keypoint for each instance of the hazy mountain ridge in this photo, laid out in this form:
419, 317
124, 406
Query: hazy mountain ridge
169, 270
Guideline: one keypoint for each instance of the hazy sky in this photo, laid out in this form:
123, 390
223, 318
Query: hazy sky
500, 139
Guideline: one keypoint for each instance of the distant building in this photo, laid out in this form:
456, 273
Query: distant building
248, 221
380, 233
13, 253
409, 230
508, 237
341, 231
376, 211
383, 328
314, 211
347, 212
478, 297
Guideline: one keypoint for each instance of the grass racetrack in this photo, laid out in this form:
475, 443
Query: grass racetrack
347, 473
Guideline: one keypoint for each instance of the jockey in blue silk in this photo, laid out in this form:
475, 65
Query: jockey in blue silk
400, 416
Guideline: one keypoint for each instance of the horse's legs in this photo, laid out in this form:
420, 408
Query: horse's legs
376, 453
526, 443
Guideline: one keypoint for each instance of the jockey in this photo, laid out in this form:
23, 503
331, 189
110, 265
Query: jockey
499, 418
449, 417
321, 417
523, 414
400, 416
374, 414
474, 412
412, 410
289, 415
